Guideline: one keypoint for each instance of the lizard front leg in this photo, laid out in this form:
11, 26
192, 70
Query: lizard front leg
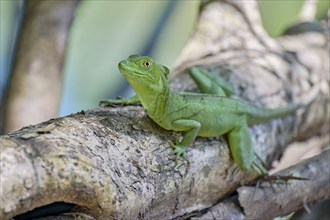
124, 101
191, 127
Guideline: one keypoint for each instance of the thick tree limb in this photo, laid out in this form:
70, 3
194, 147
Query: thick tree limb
115, 163
267, 201
273, 201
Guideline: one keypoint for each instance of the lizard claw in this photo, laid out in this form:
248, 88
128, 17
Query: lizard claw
179, 151
119, 101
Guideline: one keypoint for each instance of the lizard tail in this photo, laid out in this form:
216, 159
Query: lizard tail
260, 115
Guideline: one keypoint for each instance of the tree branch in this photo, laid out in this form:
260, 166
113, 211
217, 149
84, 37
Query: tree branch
115, 163
282, 199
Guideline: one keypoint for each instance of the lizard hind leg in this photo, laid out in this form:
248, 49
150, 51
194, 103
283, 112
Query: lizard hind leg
240, 144
259, 168
208, 83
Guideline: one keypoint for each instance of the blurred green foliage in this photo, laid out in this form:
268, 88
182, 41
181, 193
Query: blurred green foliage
278, 15
322, 8
105, 32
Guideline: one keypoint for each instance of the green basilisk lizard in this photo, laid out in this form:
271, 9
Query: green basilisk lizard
196, 114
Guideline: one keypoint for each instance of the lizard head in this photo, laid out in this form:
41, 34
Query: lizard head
144, 75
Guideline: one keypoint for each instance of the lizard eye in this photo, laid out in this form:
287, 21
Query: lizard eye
146, 64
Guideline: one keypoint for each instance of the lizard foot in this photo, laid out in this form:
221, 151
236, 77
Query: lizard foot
259, 168
264, 175
280, 179
275, 179
111, 102
179, 151
119, 101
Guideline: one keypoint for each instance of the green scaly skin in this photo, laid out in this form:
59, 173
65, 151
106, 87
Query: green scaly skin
197, 114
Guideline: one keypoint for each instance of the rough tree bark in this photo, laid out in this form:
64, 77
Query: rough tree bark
114, 162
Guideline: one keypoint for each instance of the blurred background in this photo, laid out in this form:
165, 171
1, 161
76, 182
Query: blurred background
105, 32
102, 34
